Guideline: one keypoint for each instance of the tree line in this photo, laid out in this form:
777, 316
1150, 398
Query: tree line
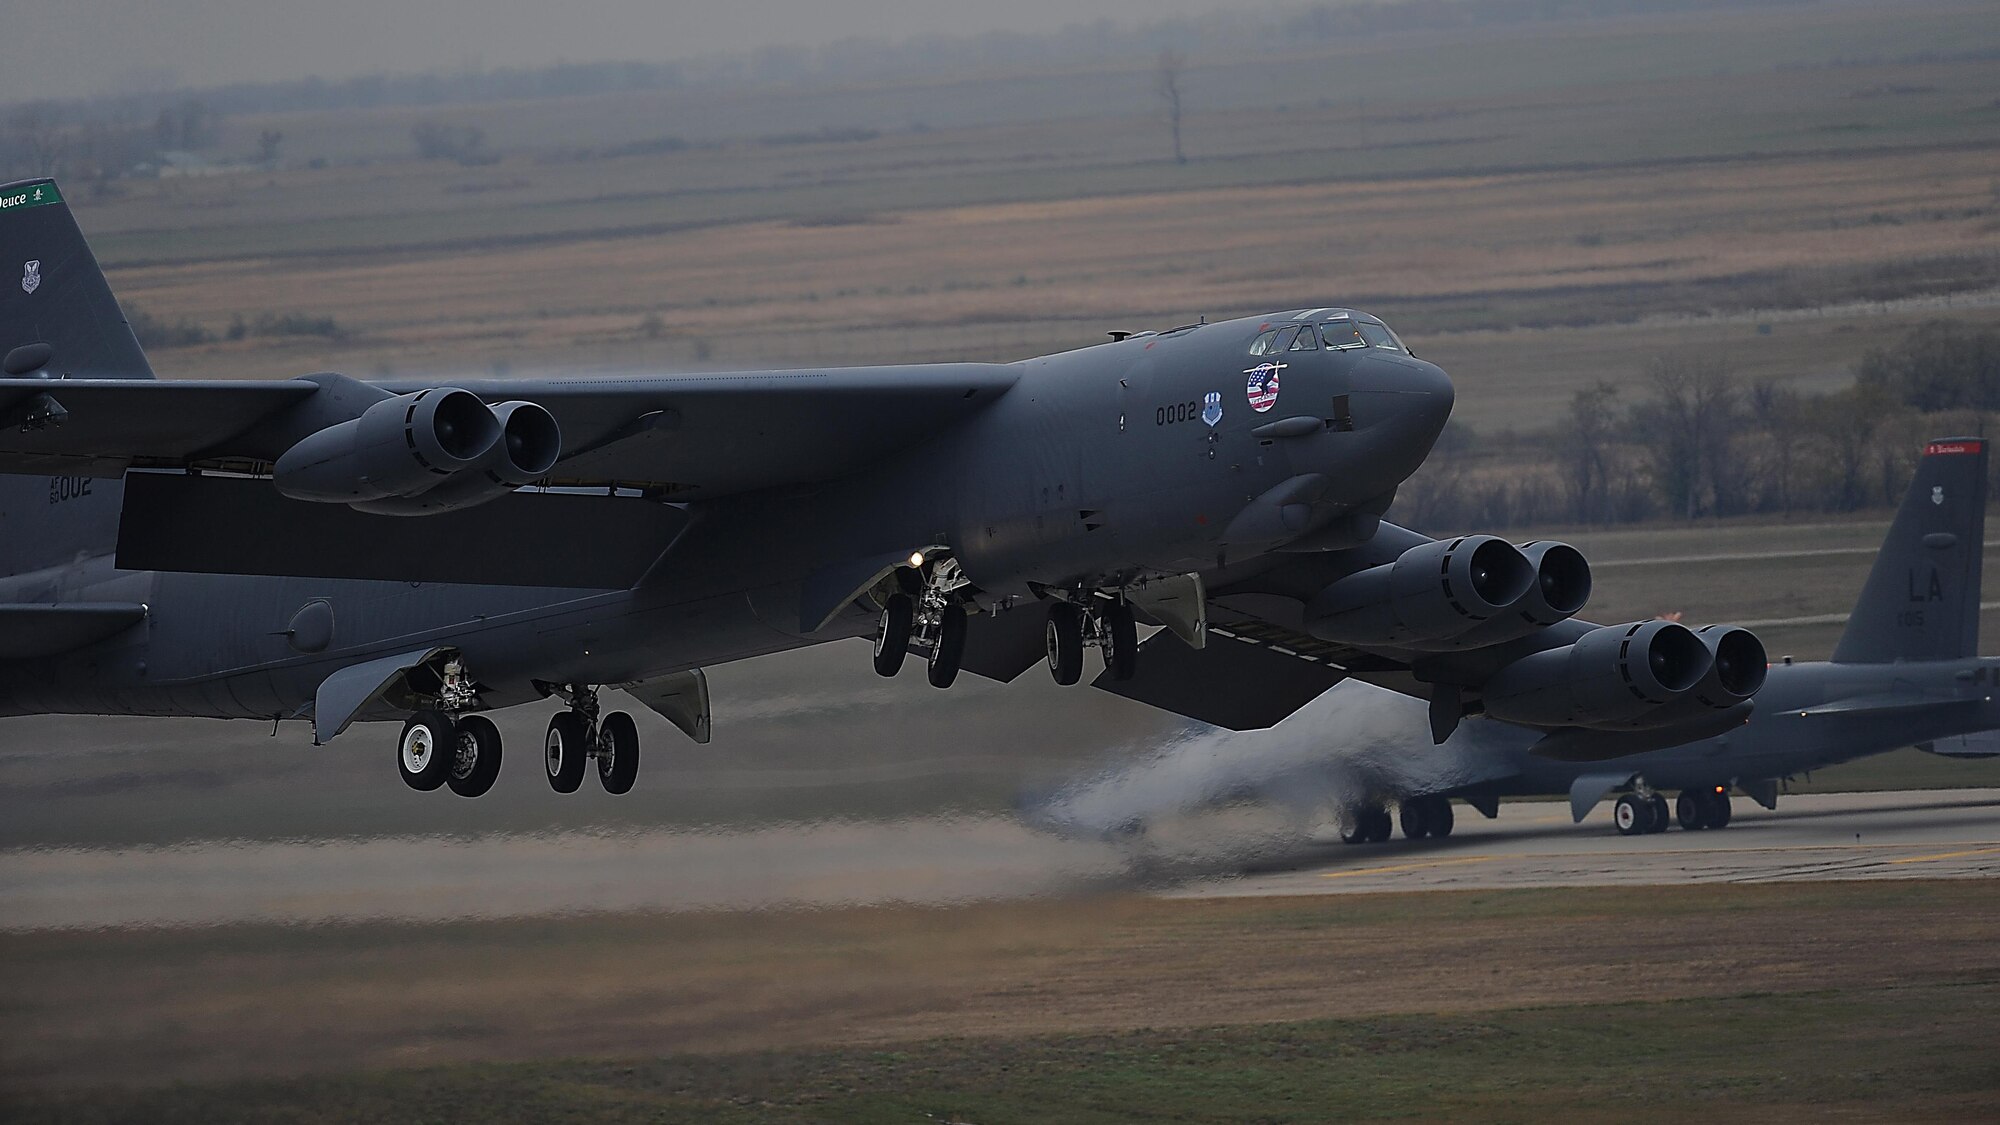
1691, 440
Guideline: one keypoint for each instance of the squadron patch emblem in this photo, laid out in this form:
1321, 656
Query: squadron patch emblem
1937, 495
1211, 408
31, 275
1262, 389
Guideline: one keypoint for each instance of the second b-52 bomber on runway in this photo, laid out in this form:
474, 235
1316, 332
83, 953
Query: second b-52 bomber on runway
329, 549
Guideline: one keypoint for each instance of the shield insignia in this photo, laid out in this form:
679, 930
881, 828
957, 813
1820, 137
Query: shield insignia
31, 275
1211, 408
1937, 494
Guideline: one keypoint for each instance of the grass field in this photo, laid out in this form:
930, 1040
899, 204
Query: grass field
1728, 1002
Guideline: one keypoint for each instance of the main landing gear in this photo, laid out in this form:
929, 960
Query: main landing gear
926, 610
1644, 812
441, 746
577, 736
932, 616
1419, 816
1092, 622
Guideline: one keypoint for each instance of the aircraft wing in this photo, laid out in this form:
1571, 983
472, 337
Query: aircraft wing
1262, 661
681, 437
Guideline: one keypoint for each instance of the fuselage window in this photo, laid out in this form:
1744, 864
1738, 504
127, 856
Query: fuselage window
1308, 340
1379, 336
1262, 345
1342, 334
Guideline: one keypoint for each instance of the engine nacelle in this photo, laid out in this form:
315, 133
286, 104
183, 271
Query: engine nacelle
400, 446
529, 446
1560, 588
1736, 672
1610, 676
1432, 590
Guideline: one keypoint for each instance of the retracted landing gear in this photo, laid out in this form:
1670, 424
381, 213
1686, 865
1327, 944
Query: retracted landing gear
1096, 622
443, 745
930, 614
578, 735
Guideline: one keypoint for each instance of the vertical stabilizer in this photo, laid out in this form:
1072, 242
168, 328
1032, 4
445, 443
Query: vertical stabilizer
52, 294
1922, 598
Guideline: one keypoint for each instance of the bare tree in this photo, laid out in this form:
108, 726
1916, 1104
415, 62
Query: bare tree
1167, 81
1690, 429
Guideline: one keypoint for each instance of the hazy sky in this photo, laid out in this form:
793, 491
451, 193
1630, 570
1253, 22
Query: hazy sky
67, 48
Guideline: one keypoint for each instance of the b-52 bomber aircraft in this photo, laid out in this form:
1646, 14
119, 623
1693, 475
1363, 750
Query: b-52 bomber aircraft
329, 549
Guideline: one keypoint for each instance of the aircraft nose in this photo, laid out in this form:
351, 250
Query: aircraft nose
1417, 395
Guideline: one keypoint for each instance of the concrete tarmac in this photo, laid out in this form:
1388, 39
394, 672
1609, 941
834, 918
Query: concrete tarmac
1939, 834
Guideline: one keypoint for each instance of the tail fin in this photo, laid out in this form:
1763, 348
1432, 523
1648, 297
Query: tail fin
57, 315
1922, 598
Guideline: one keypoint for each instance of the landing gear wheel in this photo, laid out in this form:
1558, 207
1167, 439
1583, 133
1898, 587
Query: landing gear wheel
617, 752
475, 762
1121, 641
1662, 814
424, 753
893, 642
1691, 810
1379, 824
1633, 815
566, 751
949, 649
1416, 817
1718, 810
1065, 637
1441, 817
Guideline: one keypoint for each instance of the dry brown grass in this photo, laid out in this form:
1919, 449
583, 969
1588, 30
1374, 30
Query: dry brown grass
150, 1006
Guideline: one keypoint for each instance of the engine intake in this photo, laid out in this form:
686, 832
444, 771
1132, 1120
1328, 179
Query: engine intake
1560, 587
399, 446
1610, 676
1432, 590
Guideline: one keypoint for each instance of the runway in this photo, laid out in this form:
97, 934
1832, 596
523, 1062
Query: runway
1937, 834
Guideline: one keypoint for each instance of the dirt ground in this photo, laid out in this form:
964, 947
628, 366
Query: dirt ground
146, 1008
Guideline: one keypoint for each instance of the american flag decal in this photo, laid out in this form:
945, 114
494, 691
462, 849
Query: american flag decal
1262, 389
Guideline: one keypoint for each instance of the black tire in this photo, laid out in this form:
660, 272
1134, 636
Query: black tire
1121, 631
1691, 810
1719, 810
1416, 818
566, 750
424, 752
892, 642
1065, 639
1441, 817
1663, 814
1355, 831
1379, 825
618, 753
476, 765
949, 650
1631, 816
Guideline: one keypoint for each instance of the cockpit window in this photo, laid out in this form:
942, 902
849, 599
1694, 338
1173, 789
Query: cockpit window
1378, 335
1342, 334
1308, 341
1262, 345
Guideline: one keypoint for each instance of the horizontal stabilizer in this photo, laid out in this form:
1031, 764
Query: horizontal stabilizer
1232, 682
240, 525
28, 632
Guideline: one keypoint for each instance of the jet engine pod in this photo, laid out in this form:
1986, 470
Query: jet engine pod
1609, 676
1432, 590
1560, 588
398, 447
529, 446
1738, 669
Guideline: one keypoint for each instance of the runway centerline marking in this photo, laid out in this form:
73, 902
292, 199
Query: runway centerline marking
1947, 855
1406, 867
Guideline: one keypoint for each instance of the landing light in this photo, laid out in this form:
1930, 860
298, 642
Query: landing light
916, 558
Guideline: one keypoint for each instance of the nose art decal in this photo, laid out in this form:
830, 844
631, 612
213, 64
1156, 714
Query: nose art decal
1262, 389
